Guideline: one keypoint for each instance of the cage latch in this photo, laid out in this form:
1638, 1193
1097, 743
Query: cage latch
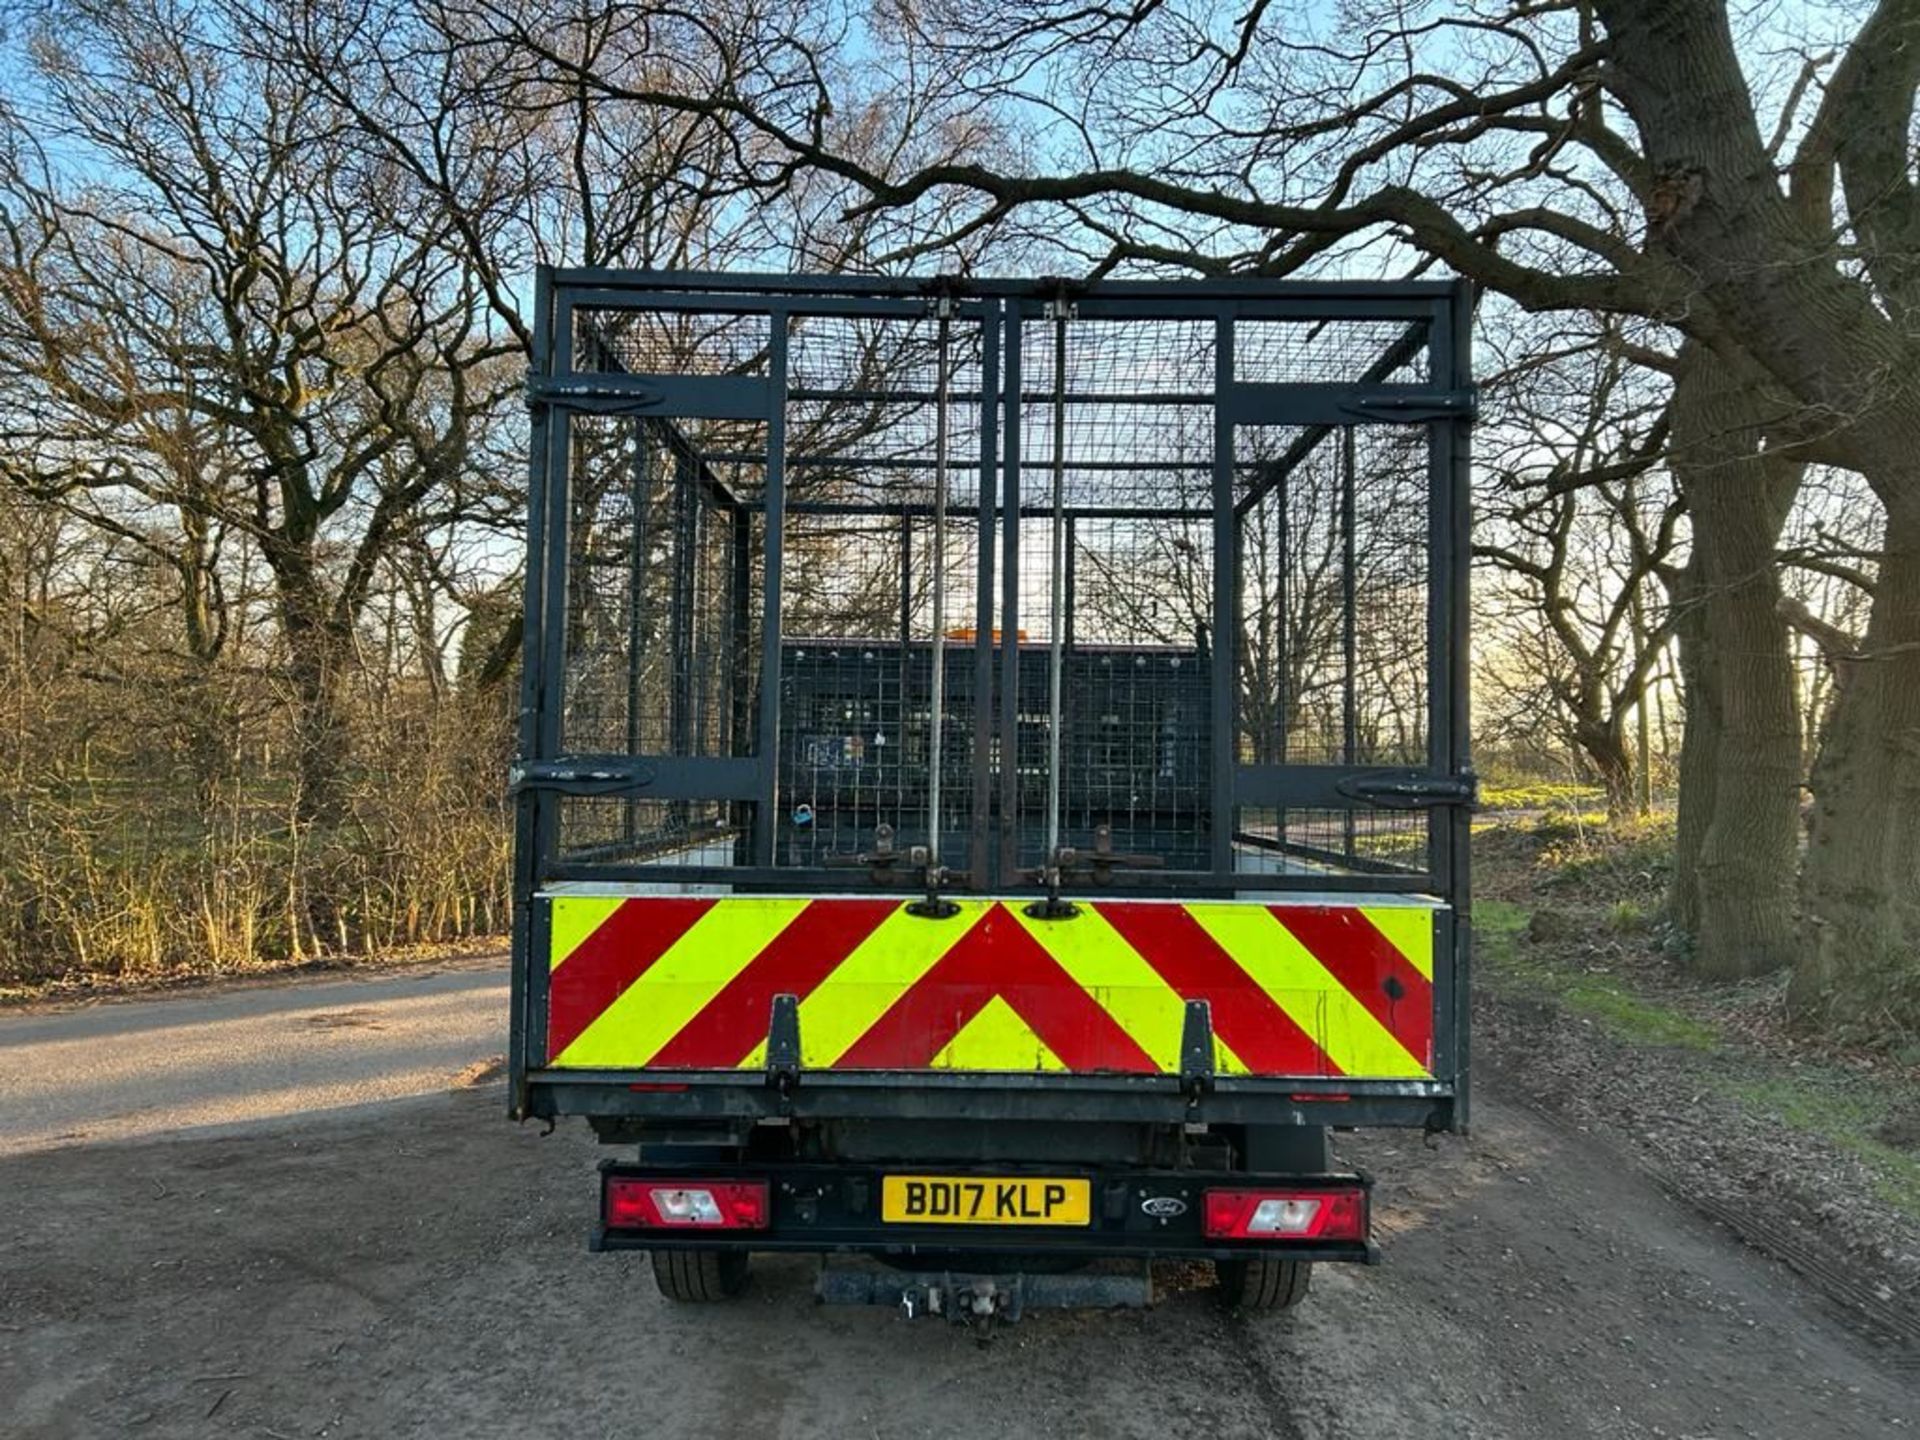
1098, 863
879, 862
1054, 907
1410, 790
783, 1043
1104, 859
1196, 1051
933, 905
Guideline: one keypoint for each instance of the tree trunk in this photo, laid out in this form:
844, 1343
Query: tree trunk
203, 711
1738, 830
1860, 958
316, 652
1604, 744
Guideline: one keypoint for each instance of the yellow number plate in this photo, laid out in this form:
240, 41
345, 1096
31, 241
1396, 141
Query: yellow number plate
985, 1200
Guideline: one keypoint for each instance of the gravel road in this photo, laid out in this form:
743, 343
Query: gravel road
279, 1212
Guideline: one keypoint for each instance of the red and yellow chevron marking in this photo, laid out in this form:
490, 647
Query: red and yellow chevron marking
687, 983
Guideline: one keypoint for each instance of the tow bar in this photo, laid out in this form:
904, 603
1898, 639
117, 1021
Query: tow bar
980, 1299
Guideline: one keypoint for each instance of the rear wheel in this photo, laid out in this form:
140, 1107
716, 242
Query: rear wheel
700, 1276
1264, 1283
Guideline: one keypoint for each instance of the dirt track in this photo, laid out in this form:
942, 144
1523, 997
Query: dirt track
416, 1267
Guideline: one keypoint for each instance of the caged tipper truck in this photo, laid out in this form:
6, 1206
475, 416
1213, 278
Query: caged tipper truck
993, 784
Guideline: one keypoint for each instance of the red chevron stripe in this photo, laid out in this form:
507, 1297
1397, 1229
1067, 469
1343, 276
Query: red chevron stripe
1371, 968
794, 962
996, 957
1263, 1035
609, 960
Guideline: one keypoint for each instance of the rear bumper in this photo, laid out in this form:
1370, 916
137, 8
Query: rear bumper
704, 1097
836, 1208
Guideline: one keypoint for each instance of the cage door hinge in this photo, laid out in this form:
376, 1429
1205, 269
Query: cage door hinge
543, 391
1417, 407
572, 777
1411, 790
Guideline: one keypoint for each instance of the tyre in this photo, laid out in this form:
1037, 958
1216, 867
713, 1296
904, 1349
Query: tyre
700, 1276
1263, 1284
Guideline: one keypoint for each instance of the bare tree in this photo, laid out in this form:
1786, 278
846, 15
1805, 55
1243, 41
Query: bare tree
1607, 158
220, 268
1579, 518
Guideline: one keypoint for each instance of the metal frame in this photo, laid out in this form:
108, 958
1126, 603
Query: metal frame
1436, 318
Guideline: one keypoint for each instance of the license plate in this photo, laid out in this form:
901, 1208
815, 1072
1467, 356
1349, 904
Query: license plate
985, 1200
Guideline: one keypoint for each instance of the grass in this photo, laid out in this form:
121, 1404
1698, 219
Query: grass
1541, 795
1606, 1000
1847, 1112
1634, 1018
1589, 900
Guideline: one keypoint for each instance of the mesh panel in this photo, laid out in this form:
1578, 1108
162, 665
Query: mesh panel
1333, 597
1135, 589
1322, 352
858, 611
664, 585
659, 591
669, 342
616, 830
668, 576
1270, 841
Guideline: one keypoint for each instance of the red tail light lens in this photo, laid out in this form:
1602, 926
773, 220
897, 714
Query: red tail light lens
1330, 1214
686, 1204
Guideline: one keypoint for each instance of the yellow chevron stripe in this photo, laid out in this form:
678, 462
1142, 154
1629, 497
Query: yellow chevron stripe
881, 969
572, 919
678, 985
996, 1039
1121, 983
1409, 929
1299, 984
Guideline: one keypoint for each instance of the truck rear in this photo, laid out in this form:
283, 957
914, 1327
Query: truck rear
993, 782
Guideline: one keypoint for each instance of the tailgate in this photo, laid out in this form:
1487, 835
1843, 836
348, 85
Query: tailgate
1317, 987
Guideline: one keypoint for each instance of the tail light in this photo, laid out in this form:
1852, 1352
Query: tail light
1326, 1214
686, 1204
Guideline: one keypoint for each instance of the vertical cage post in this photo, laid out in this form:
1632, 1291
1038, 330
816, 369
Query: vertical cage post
1448, 546
640, 504
532, 835
983, 598
740, 682
685, 541
937, 688
1226, 584
1349, 622
1073, 599
766, 820
1010, 609
686, 521
903, 668
1056, 620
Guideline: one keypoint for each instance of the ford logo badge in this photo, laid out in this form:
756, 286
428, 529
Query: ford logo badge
1164, 1207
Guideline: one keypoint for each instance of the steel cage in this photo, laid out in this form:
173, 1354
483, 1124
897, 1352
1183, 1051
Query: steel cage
728, 755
